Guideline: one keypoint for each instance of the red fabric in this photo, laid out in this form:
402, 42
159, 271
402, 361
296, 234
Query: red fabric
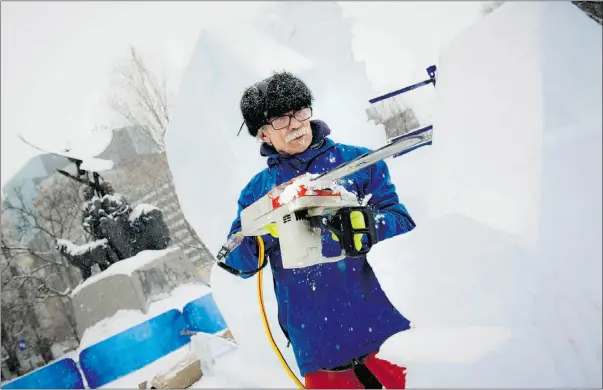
390, 375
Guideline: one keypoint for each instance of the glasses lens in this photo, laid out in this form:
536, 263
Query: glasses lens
280, 122
303, 114
283, 121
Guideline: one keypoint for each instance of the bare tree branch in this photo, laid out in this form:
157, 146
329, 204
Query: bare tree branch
142, 101
32, 269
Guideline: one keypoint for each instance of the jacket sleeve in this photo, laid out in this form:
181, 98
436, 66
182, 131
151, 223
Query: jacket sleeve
245, 256
391, 217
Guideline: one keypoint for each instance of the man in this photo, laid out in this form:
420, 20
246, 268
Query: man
335, 315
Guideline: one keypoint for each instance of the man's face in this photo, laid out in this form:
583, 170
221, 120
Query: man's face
289, 133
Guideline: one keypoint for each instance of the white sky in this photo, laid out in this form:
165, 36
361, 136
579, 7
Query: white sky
57, 58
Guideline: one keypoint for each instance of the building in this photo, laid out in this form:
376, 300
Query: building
141, 173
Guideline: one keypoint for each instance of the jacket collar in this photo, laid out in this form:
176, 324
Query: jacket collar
320, 131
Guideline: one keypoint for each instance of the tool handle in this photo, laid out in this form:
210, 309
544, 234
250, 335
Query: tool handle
341, 225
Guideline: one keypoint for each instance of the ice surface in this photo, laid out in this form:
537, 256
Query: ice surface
502, 276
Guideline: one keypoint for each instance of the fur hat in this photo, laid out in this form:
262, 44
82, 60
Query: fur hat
276, 95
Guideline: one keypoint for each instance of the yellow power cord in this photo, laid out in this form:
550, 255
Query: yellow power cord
265, 319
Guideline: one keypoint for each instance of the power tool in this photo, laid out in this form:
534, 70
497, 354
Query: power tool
301, 207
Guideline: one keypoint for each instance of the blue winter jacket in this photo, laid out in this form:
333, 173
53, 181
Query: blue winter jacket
333, 312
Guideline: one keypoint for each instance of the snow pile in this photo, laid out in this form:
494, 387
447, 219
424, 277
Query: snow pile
182, 364
126, 266
208, 348
126, 319
244, 368
132, 380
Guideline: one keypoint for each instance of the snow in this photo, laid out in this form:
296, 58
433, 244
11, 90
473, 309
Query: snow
96, 165
146, 373
177, 298
209, 347
259, 51
243, 368
291, 191
117, 323
125, 319
88, 144
141, 209
501, 277
126, 266
76, 250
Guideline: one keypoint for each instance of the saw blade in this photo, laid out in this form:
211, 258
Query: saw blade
396, 146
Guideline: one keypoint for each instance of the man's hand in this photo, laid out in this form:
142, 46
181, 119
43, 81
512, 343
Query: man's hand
357, 223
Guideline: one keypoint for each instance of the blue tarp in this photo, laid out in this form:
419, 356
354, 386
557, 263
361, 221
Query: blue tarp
133, 349
62, 374
129, 350
203, 315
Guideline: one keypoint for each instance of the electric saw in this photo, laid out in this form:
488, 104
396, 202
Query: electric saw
303, 206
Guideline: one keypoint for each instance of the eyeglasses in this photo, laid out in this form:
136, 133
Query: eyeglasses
283, 121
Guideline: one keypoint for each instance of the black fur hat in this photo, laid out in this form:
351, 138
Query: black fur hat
276, 95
